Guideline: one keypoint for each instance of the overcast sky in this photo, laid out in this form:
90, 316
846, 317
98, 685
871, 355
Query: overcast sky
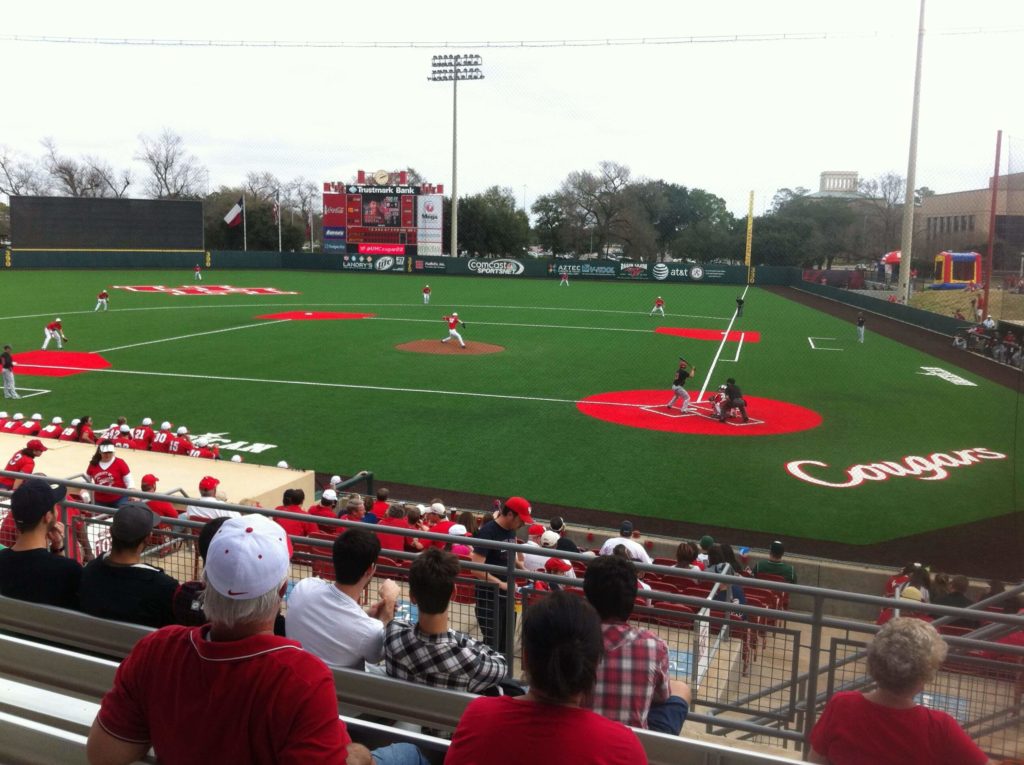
728, 117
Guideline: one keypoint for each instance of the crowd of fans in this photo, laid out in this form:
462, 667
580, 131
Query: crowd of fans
589, 671
985, 339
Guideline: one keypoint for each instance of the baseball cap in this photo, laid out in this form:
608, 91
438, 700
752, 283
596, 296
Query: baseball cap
206, 483
57, 421
201, 442
520, 507
282, 464
706, 541
18, 416
236, 458
247, 558
165, 425
36, 444
549, 539
125, 429
437, 508
182, 430
147, 421
911, 593
557, 565
454, 314
76, 421
36, 416
106, 447
34, 499
335, 480
133, 520
330, 495
626, 527
57, 319
149, 478
458, 530
535, 530
776, 549
3, 414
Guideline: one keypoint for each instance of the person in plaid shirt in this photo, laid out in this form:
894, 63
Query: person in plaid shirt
633, 683
429, 652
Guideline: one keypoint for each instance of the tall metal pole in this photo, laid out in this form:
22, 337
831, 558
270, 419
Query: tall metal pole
907, 235
277, 208
986, 266
455, 162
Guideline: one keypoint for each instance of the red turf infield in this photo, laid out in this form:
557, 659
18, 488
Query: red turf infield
646, 409
710, 334
57, 363
315, 315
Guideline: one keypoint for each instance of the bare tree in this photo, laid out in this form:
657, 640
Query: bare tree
70, 177
174, 173
20, 177
263, 187
884, 196
111, 182
303, 193
598, 200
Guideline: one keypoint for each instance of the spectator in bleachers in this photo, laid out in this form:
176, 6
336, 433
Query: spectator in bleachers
443, 525
557, 525
460, 549
703, 547
326, 616
633, 682
414, 520
187, 603
533, 558
33, 568
429, 651
775, 565
208, 492
379, 509
561, 651
887, 725
940, 586
291, 502
635, 550
230, 691
957, 597
433, 514
53, 429
162, 439
394, 518
161, 507
468, 520
107, 470
686, 557
83, 431
327, 507
118, 585
906, 594
142, 434
355, 508
492, 608
921, 579
23, 461
722, 560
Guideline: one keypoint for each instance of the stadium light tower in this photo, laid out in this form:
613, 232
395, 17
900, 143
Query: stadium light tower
452, 68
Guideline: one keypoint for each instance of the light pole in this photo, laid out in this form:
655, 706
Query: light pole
452, 68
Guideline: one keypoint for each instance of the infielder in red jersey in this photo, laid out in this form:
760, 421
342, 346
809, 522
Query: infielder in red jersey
142, 435
564, 280
197, 273
659, 306
101, 301
453, 321
54, 331
426, 295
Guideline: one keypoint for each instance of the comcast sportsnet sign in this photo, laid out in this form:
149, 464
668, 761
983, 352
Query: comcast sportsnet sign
496, 267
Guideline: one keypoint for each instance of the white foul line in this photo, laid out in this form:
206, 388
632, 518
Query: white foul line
738, 348
383, 388
816, 348
194, 334
721, 345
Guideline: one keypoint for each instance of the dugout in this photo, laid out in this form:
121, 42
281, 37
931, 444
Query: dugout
956, 270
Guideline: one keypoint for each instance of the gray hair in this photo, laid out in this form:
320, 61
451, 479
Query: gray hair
231, 613
905, 655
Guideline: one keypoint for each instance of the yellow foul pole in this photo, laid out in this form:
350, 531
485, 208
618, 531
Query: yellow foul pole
750, 238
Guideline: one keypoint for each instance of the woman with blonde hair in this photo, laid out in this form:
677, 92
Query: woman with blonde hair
886, 726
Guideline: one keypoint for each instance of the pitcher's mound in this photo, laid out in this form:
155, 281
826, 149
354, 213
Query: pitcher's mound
450, 348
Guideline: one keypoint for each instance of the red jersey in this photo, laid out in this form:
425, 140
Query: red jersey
103, 295
11, 426
142, 437
426, 290
112, 475
3, 421
197, 269
453, 321
441, 527
281, 699
54, 326
161, 441
203, 453
19, 463
325, 512
391, 541
179, 445
123, 442
8, 531
29, 427
51, 431
70, 433
295, 528
658, 303
163, 509
87, 436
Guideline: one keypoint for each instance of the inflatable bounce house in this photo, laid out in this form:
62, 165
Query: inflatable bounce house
956, 270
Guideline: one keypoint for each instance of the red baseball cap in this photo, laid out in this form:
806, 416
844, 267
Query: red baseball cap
520, 507
208, 482
36, 444
150, 478
535, 530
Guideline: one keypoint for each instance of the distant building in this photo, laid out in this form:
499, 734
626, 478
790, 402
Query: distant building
960, 219
838, 184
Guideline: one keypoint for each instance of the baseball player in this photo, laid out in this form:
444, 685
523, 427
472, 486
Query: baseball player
860, 327
453, 322
197, 273
101, 301
54, 331
564, 280
162, 439
142, 435
730, 398
7, 363
679, 386
426, 294
659, 306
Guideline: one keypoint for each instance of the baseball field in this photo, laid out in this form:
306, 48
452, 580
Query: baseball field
560, 395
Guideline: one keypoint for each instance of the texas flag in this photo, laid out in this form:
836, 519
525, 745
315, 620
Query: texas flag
234, 216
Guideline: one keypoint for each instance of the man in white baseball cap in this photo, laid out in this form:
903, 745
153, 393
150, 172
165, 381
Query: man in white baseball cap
228, 663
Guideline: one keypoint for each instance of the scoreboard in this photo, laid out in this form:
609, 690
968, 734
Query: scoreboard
379, 217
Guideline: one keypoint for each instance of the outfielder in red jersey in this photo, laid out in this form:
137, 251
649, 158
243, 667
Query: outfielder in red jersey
426, 294
453, 321
142, 435
23, 461
162, 439
197, 273
101, 301
659, 306
54, 331
564, 280
53, 430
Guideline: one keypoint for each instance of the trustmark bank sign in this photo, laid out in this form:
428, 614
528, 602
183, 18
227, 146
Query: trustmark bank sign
381, 214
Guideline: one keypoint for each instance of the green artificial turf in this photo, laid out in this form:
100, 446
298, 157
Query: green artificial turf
338, 396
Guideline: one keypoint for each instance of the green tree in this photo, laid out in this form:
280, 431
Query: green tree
491, 224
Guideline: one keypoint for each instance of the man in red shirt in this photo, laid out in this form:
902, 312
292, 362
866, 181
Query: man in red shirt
161, 507
70, 433
453, 321
380, 507
53, 429
426, 295
12, 425
202, 449
355, 508
659, 306
180, 443
101, 300
395, 518
162, 439
273, 701
291, 502
123, 438
142, 435
54, 331
327, 508
31, 426
23, 461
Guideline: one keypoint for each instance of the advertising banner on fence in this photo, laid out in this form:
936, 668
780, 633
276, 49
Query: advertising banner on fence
594, 269
496, 267
388, 263
429, 248
428, 218
430, 265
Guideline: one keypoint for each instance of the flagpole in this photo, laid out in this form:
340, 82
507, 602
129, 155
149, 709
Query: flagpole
277, 208
311, 229
245, 231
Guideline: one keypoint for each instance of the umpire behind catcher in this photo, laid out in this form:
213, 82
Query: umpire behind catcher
733, 400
